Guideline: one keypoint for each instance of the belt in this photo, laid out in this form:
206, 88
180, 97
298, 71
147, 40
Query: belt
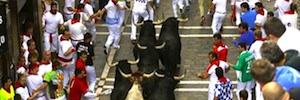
76, 40
220, 12
64, 60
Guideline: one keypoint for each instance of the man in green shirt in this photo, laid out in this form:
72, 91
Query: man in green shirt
54, 81
242, 68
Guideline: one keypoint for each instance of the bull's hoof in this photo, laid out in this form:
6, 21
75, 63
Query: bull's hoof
133, 41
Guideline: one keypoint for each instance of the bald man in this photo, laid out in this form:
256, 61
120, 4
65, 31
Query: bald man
45, 64
273, 91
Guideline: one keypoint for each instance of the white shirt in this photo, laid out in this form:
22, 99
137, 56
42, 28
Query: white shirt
262, 20
290, 20
44, 69
64, 46
282, 6
25, 39
111, 9
220, 5
48, 7
289, 39
51, 22
69, 3
259, 94
21, 70
255, 49
26, 54
33, 83
140, 5
83, 17
212, 74
88, 9
23, 92
77, 30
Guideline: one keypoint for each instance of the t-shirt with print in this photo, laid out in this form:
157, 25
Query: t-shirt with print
55, 80
244, 65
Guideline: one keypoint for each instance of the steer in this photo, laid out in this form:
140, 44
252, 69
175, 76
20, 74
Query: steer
147, 50
121, 85
164, 89
170, 54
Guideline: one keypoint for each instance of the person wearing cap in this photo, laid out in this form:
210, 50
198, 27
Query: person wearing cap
34, 81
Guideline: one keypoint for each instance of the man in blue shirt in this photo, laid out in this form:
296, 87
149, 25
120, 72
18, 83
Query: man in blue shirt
249, 16
247, 36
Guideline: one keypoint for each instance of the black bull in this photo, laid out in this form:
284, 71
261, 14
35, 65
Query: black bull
170, 54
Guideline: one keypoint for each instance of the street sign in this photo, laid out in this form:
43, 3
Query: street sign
3, 30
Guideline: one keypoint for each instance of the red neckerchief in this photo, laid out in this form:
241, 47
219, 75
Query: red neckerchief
73, 21
44, 62
32, 68
30, 51
79, 10
287, 0
20, 65
215, 62
223, 79
28, 35
260, 39
17, 84
115, 3
243, 32
63, 39
262, 12
289, 12
7, 90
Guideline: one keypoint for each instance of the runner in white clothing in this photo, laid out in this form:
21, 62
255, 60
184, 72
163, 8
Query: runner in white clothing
289, 18
282, 6
255, 47
174, 6
90, 26
220, 13
261, 18
112, 22
237, 5
34, 81
45, 64
121, 13
51, 21
150, 9
69, 9
65, 56
22, 89
77, 29
139, 9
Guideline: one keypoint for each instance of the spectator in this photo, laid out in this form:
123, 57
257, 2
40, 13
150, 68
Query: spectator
22, 67
248, 16
261, 17
263, 72
285, 37
223, 88
27, 35
255, 47
33, 58
247, 36
90, 69
34, 81
78, 89
7, 90
273, 91
21, 88
244, 95
54, 81
270, 15
220, 47
210, 72
31, 49
271, 51
242, 68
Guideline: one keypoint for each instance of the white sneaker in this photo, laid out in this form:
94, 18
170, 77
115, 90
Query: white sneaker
117, 47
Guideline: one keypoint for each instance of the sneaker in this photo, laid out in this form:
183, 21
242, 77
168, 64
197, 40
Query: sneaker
133, 41
105, 52
180, 10
117, 47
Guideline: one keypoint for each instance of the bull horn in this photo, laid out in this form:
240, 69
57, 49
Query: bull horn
181, 77
133, 62
158, 22
141, 47
124, 75
159, 75
161, 46
148, 75
182, 20
139, 24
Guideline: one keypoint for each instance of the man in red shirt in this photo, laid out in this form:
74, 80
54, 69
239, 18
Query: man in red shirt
77, 87
80, 63
220, 47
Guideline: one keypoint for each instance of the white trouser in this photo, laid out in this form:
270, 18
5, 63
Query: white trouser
91, 28
258, 93
121, 13
157, 1
151, 12
238, 12
91, 77
174, 5
217, 21
211, 92
135, 17
68, 73
114, 35
68, 16
75, 42
187, 3
51, 41
41, 98
247, 86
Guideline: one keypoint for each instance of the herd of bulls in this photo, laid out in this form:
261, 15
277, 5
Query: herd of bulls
149, 82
